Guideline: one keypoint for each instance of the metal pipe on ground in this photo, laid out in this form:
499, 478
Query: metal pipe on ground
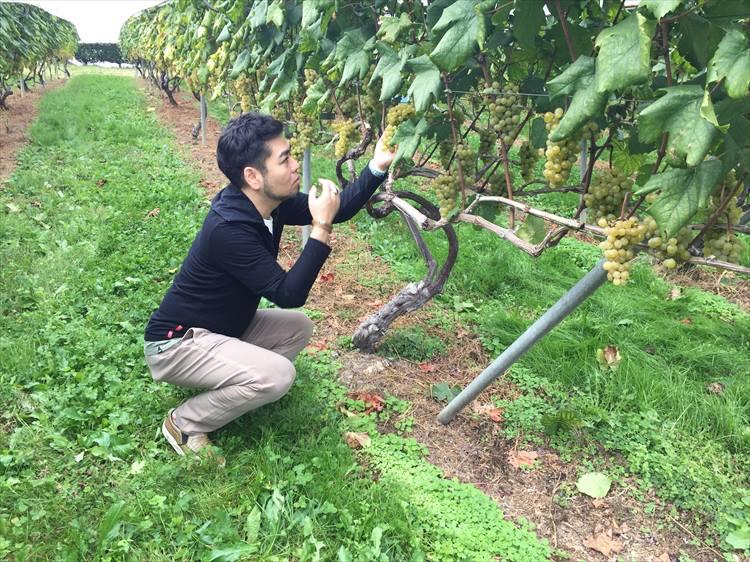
586, 287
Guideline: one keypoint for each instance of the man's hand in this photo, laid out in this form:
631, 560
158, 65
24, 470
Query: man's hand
383, 158
324, 206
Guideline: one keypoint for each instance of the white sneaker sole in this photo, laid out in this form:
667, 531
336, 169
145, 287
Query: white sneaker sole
171, 440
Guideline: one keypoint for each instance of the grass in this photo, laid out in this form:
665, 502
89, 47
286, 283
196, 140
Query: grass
84, 472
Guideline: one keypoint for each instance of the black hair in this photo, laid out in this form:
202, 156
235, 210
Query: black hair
243, 143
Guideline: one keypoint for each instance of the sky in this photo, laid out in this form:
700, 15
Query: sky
97, 21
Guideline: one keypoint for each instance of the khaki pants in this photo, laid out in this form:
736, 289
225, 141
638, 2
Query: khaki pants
240, 374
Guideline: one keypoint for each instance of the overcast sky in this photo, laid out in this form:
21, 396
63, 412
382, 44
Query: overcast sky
97, 21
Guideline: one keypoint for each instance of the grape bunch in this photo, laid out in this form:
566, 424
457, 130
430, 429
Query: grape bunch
724, 244
528, 158
446, 188
562, 155
445, 151
468, 159
242, 91
303, 134
504, 110
396, 115
310, 78
486, 144
345, 130
670, 251
606, 194
618, 250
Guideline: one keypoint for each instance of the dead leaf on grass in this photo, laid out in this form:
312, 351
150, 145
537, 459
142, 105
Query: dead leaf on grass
490, 411
373, 402
686, 321
604, 543
357, 440
101, 182
520, 459
326, 277
427, 367
609, 357
675, 293
153, 212
715, 388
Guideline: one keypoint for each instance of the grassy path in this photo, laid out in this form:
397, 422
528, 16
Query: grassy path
84, 474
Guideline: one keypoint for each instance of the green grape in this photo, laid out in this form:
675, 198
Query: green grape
446, 189
618, 250
505, 110
528, 158
724, 244
396, 115
303, 136
468, 159
345, 130
562, 155
606, 194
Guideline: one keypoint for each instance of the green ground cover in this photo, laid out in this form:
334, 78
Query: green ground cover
84, 472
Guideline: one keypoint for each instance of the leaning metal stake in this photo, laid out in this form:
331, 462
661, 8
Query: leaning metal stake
559, 311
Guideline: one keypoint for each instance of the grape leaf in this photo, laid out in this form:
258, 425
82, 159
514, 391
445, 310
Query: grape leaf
660, 8
737, 140
699, 38
275, 14
532, 230
444, 392
391, 26
243, 60
257, 15
732, 61
594, 484
528, 18
682, 193
226, 33
426, 81
578, 79
315, 97
465, 31
685, 113
389, 69
538, 136
624, 53
739, 539
408, 137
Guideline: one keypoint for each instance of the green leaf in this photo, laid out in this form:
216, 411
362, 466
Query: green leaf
660, 8
624, 57
444, 392
110, 523
243, 60
699, 38
682, 193
732, 61
275, 14
578, 79
315, 97
737, 140
528, 18
739, 539
252, 525
257, 15
407, 137
625, 161
682, 113
532, 230
594, 484
426, 82
538, 136
389, 69
391, 27
225, 34
355, 50
464, 32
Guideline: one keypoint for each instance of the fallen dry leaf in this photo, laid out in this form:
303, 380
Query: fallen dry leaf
101, 182
357, 440
604, 543
663, 558
153, 212
490, 411
715, 388
686, 321
675, 294
522, 458
373, 402
609, 357
327, 277
599, 503
427, 367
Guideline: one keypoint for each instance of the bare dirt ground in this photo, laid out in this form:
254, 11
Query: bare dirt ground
354, 284
14, 124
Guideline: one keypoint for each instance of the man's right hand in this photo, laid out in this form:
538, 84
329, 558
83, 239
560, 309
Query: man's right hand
323, 207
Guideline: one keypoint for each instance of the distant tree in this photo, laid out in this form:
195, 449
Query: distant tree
99, 52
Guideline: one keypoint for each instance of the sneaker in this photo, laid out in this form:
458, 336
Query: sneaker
181, 442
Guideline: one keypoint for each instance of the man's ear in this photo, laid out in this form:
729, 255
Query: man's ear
253, 177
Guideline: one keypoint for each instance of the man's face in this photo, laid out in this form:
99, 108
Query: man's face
281, 180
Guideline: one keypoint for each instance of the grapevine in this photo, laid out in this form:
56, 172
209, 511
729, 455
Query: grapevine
396, 115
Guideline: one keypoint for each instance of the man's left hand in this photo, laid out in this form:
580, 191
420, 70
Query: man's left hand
383, 158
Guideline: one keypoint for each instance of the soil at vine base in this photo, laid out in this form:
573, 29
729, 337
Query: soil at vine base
352, 285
